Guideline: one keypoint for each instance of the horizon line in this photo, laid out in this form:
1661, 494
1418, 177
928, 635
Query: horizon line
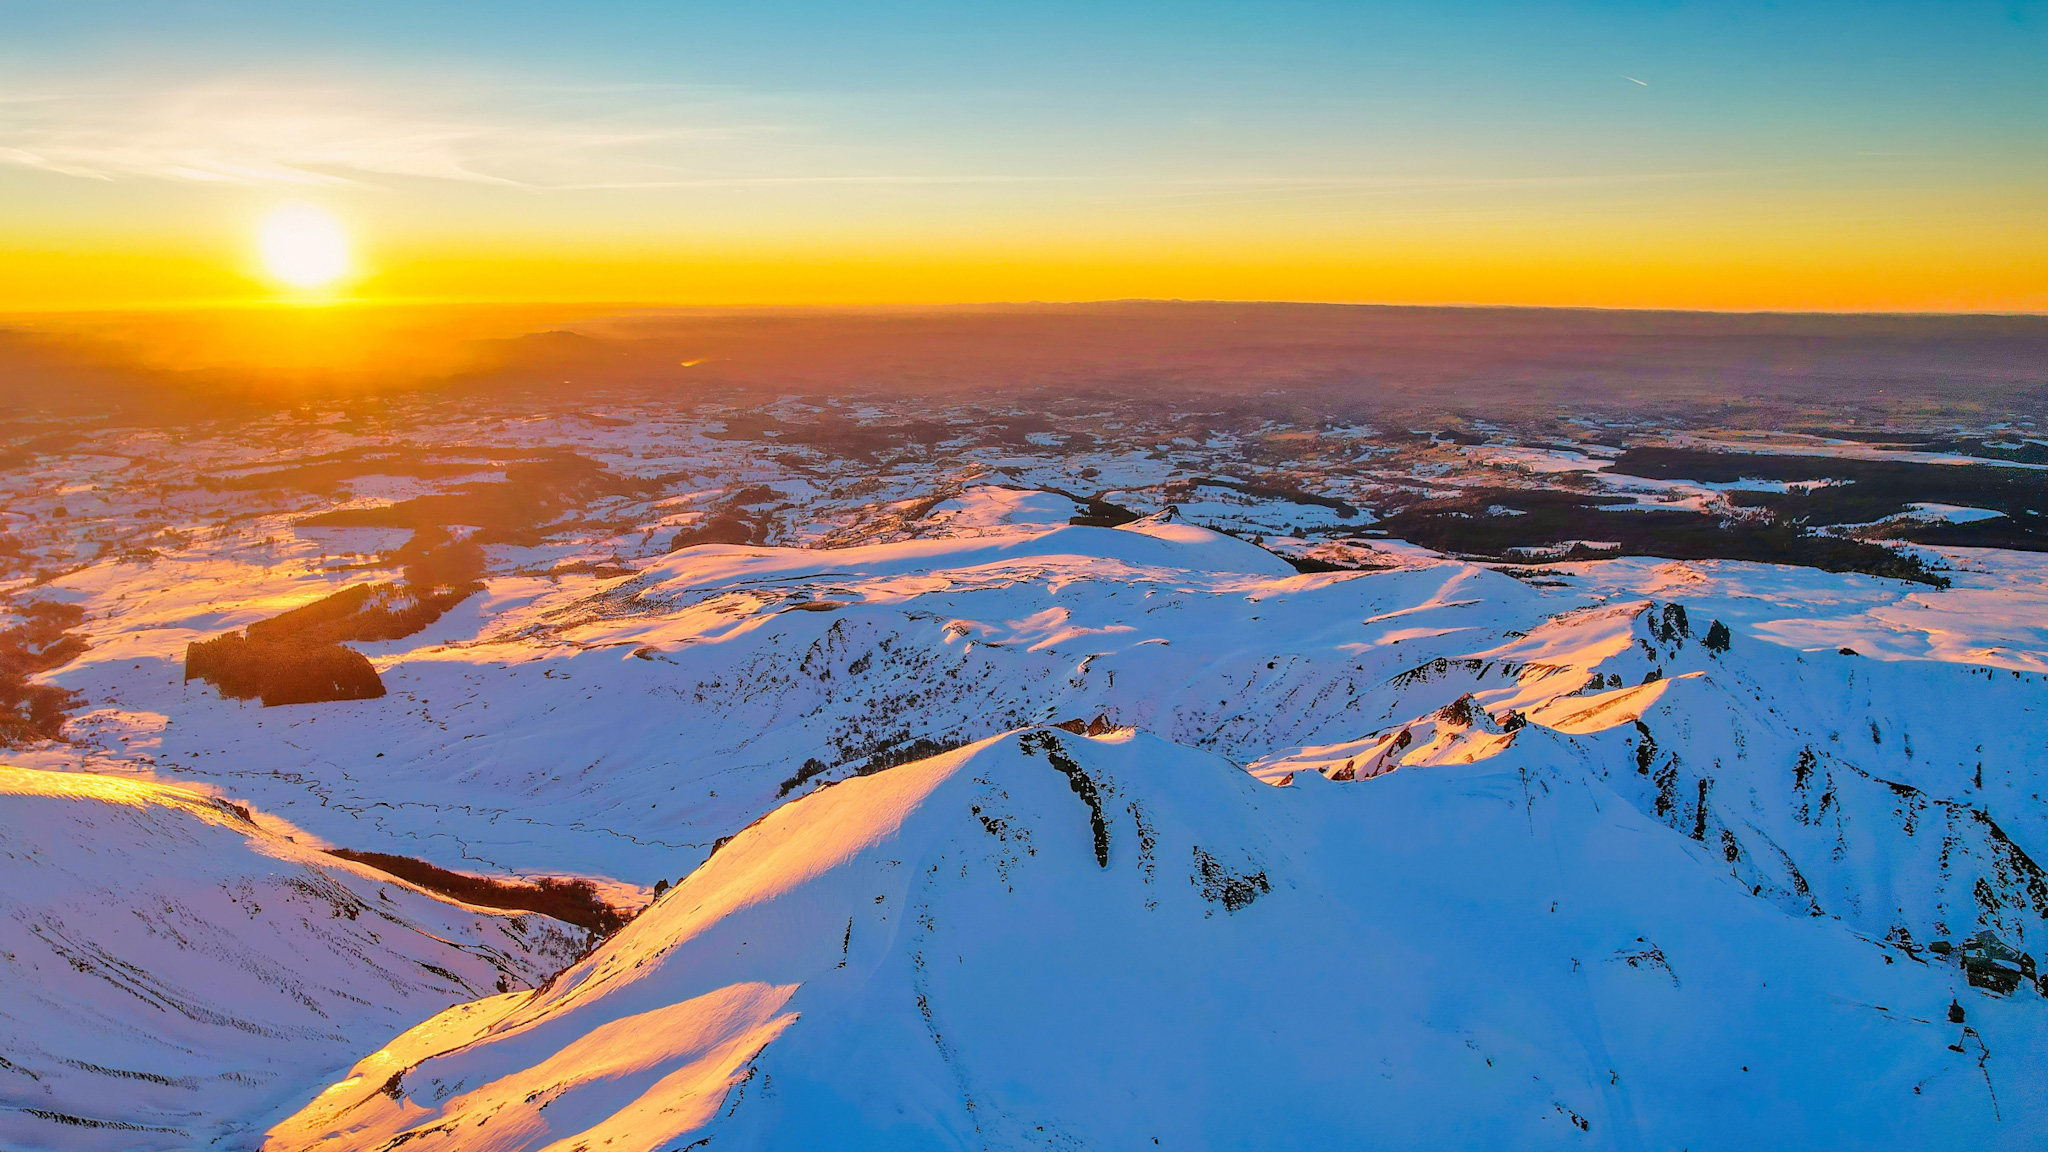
619, 306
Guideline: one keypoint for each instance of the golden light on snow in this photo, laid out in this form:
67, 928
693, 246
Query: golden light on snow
82, 786
303, 246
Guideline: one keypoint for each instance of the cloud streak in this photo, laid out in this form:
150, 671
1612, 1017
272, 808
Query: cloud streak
255, 133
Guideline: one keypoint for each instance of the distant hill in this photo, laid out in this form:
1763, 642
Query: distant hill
1750, 368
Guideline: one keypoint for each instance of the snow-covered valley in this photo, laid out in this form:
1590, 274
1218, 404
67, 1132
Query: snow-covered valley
958, 813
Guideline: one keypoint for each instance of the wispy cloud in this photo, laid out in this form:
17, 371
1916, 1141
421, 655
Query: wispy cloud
1212, 192
258, 133
253, 132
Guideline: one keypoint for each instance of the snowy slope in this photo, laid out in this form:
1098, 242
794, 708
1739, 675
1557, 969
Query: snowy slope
620, 728
1900, 797
989, 510
170, 970
1771, 807
1054, 941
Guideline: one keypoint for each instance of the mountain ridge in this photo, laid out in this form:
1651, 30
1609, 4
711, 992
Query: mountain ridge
808, 962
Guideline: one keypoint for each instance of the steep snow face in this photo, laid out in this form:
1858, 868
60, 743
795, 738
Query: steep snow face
1047, 940
171, 970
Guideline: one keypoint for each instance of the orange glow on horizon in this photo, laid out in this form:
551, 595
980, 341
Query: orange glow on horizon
1730, 279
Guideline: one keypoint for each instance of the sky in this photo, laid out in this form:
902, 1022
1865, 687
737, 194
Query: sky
1825, 156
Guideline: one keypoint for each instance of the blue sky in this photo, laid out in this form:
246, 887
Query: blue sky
1189, 124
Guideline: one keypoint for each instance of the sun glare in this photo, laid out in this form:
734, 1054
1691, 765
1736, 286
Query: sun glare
303, 246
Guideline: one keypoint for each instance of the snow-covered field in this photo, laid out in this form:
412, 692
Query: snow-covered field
1423, 852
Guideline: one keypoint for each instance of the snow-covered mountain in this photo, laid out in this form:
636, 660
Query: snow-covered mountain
1775, 760
1047, 940
170, 971
1296, 888
622, 728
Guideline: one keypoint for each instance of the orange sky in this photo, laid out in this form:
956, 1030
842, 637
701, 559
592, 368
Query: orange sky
1845, 274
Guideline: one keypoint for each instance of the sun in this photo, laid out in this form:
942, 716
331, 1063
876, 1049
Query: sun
303, 246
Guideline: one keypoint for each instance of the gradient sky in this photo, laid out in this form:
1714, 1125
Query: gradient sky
1789, 155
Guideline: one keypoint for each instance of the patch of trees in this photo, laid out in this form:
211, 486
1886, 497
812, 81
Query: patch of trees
1185, 490
922, 748
365, 612
13, 554
716, 530
42, 641
905, 752
281, 671
330, 473
1875, 490
812, 769
1549, 518
1309, 565
533, 494
299, 657
837, 438
2024, 451
742, 517
438, 567
1099, 513
570, 901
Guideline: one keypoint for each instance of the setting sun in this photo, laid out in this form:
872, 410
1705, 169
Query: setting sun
303, 247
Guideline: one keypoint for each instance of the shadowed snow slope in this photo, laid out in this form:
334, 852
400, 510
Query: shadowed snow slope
170, 970
1053, 941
